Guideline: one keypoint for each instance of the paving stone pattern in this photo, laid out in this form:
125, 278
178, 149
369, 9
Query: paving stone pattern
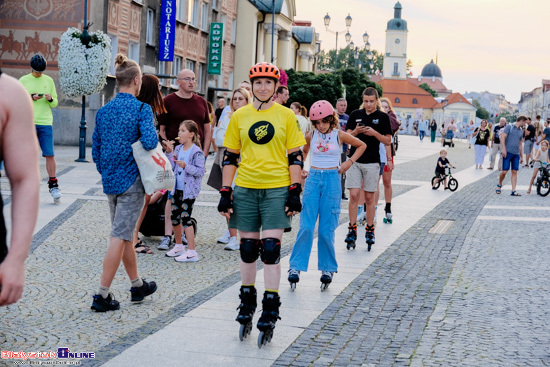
380, 317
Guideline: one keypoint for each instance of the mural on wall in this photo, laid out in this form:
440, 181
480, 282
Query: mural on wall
28, 27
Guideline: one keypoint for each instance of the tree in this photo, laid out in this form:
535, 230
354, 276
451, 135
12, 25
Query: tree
346, 59
307, 87
428, 89
481, 112
355, 83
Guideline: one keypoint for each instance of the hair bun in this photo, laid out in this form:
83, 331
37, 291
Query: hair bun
120, 59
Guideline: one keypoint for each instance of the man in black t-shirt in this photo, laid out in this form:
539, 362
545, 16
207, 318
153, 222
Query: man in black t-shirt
371, 126
495, 144
219, 110
529, 136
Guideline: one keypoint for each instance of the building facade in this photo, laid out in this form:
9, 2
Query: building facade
29, 27
395, 58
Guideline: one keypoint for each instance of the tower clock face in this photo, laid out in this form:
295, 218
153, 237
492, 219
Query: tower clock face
397, 41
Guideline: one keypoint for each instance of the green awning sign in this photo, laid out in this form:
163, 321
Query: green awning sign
215, 49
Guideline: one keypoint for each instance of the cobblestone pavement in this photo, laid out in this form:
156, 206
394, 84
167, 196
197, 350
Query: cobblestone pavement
476, 295
401, 288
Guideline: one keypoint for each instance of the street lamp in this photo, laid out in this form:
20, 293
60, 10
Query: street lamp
326, 19
85, 38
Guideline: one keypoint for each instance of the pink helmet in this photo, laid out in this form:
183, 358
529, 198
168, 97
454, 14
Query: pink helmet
320, 109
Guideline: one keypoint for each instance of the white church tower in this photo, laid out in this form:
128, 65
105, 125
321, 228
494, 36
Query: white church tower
395, 58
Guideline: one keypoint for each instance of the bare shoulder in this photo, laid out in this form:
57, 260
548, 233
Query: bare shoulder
13, 96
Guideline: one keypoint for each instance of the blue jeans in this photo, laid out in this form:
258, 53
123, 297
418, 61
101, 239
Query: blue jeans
321, 199
421, 133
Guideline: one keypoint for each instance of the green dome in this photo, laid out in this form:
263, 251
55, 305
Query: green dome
397, 24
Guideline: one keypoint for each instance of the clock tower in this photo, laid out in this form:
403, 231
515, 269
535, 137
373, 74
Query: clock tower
395, 58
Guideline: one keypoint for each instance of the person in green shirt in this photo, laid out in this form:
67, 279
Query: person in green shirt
44, 96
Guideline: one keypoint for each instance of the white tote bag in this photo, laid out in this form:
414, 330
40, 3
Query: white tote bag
154, 168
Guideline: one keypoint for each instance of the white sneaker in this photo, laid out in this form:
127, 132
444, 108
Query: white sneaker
176, 251
188, 256
232, 245
225, 238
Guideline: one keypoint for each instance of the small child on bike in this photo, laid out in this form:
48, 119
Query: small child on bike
541, 155
442, 163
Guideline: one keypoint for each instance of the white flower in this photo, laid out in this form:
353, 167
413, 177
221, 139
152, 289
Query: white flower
83, 69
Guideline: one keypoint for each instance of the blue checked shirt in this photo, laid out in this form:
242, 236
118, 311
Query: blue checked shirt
118, 124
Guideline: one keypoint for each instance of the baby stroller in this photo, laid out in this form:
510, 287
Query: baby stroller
448, 139
153, 223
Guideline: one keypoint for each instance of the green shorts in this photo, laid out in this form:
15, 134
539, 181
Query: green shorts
255, 209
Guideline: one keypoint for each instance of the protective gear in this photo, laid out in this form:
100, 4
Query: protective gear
271, 251
293, 200
320, 109
293, 159
226, 202
264, 70
38, 63
250, 250
230, 158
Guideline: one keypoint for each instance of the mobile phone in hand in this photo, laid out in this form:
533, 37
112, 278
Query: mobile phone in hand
41, 95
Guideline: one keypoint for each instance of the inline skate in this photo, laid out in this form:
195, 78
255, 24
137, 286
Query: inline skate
326, 279
270, 315
246, 310
369, 236
293, 278
351, 236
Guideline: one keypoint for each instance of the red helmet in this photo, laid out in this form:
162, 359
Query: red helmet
320, 109
264, 70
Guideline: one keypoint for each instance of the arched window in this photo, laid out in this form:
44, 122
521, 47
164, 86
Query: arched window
415, 101
397, 100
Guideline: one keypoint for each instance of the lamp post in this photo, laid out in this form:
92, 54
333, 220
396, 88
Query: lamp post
85, 38
347, 36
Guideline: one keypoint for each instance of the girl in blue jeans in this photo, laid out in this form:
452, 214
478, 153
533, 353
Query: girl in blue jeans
322, 192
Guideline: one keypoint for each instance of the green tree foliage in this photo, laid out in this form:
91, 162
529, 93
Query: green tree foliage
428, 89
346, 59
355, 83
481, 112
307, 87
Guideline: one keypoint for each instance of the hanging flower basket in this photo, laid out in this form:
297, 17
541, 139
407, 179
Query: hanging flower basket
83, 66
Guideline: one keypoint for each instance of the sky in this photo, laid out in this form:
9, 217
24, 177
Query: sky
500, 46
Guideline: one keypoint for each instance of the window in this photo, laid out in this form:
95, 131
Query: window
190, 64
233, 31
415, 101
223, 20
150, 26
214, 4
397, 100
395, 68
200, 77
176, 67
230, 80
114, 51
133, 51
162, 70
193, 12
181, 11
204, 21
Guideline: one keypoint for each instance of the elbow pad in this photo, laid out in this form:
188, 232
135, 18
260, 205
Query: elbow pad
230, 158
296, 158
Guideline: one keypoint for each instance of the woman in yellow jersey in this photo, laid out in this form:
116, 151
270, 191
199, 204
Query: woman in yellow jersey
267, 192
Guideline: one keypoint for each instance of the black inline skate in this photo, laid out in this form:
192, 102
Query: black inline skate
351, 236
270, 315
246, 310
293, 278
369, 236
326, 279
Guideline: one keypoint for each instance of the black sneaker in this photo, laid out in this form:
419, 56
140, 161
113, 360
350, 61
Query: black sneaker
101, 304
145, 290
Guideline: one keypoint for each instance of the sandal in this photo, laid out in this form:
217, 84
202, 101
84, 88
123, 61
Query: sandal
515, 193
142, 248
498, 190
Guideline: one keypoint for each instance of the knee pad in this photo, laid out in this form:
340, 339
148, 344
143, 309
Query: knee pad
270, 251
250, 250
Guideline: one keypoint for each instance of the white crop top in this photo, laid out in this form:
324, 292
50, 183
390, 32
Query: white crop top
325, 149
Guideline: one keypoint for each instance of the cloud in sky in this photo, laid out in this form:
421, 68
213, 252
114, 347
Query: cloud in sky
496, 45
